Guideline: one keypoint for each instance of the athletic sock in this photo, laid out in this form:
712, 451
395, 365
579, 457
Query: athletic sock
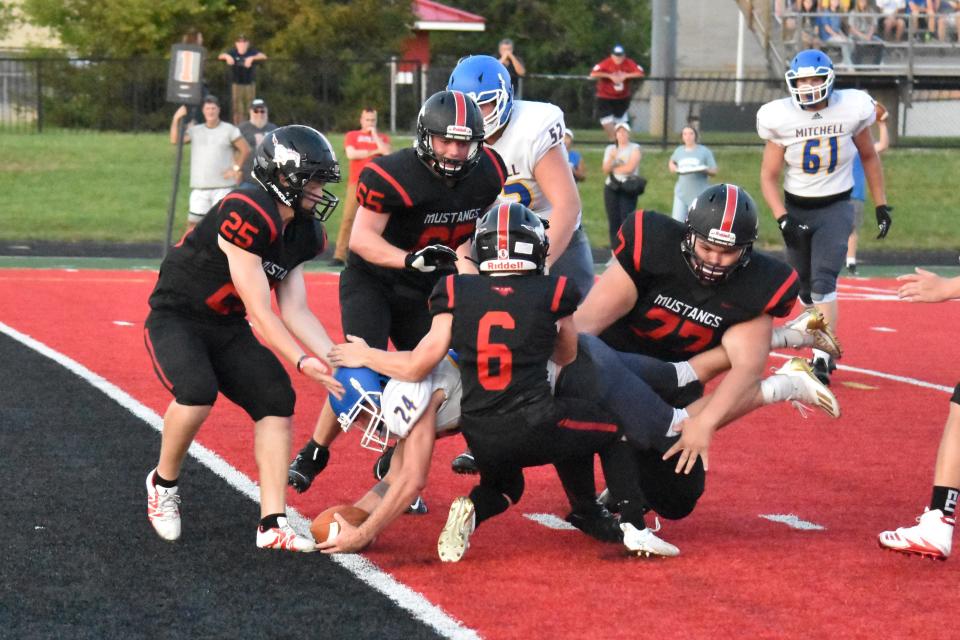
679, 415
945, 499
163, 482
776, 388
270, 521
685, 373
822, 355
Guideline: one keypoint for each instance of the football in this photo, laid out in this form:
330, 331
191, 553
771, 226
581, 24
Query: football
881, 112
324, 528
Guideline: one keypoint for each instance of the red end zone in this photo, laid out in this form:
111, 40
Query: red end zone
739, 574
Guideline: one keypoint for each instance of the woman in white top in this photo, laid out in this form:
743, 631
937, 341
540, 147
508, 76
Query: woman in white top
620, 160
693, 163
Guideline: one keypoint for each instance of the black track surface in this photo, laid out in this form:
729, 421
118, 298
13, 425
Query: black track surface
80, 560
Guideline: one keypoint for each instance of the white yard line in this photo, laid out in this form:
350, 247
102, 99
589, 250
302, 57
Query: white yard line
405, 597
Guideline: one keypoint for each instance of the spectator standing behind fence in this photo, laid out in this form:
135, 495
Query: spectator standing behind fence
243, 87
613, 75
219, 151
859, 195
620, 161
253, 131
693, 163
892, 21
575, 158
510, 60
361, 145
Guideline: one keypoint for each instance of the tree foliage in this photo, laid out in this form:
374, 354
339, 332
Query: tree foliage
554, 36
551, 36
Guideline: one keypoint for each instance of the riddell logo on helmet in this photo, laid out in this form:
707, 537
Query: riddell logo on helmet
456, 132
506, 265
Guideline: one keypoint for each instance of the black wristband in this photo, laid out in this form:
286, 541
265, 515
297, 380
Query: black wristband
300, 362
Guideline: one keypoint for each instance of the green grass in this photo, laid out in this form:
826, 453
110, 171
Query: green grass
114, 187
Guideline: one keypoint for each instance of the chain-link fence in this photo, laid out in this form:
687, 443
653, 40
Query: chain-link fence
129, 95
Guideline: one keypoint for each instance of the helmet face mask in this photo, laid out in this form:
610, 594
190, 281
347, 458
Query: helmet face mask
360, 405
810, 64
291, 157
451, 116
486, 80
722, 216
510, 239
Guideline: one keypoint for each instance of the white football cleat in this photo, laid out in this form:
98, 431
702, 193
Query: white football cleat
644, 542
931, 537
163, 509
808, 388
283, 537
812, 324
455, 538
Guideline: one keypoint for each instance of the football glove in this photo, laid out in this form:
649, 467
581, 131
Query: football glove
793, 232
430, 258
883, 220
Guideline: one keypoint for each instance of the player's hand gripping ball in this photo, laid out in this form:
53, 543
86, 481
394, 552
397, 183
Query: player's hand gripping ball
324, 528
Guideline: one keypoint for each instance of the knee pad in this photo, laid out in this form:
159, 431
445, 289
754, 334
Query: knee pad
820, 298
277, 400
196, 393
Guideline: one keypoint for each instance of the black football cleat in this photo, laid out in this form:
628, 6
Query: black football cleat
822, 369
382, 465
311, 460
418, 507
465, 464
597, 522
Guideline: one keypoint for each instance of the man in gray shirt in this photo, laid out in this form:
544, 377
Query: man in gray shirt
253, 131
219, 151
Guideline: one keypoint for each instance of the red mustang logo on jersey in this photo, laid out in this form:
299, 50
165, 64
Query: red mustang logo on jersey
504, 291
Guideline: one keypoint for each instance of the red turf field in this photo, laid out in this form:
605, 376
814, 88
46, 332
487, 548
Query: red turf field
739, 575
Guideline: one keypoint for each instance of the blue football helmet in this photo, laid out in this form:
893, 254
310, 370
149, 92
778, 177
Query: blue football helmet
485, 80
807, 64
362, 390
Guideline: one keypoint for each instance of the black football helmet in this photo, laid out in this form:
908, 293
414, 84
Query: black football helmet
298, 154
453, 115
510, 237
725, 215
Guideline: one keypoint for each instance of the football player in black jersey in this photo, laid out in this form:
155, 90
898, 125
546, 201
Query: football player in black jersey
505, 329
199, 338
676, 291
418, 210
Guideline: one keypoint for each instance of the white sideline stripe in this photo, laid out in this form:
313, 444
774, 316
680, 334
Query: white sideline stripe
405, 597
880, 374
884, 329
550, 521
793, 521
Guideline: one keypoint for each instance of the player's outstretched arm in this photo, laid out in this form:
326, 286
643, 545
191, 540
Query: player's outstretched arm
297, 315
747, 344
926, 286
611, 297
405, 484
565, 348
402, 365
246, 272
